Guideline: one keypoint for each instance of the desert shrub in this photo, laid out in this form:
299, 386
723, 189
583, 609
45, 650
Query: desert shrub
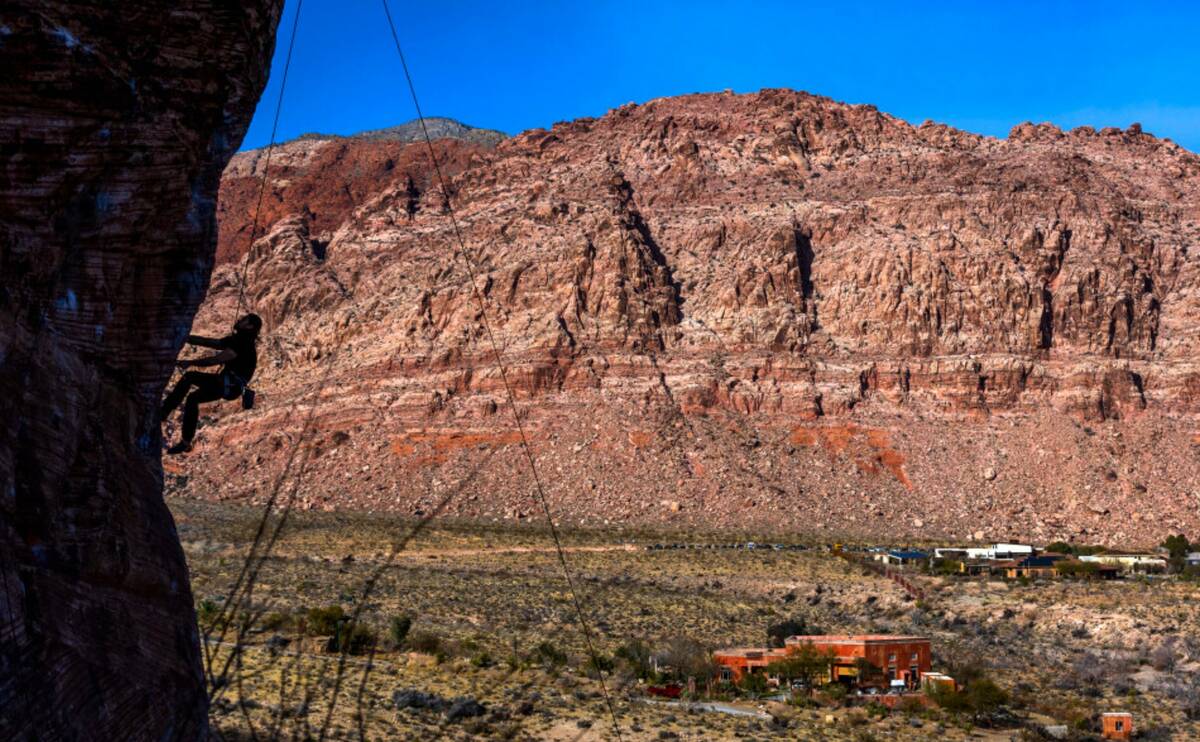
753, 683
963, 666
836, 694
549, 656
948, 699
275, 621
324, 621
424, 641
1075, 568
981, 697
398, 629
636, 654
1163, 656
352, 637
910, 705
481, 658
599, 663
206, 611
984, 696
1088, 671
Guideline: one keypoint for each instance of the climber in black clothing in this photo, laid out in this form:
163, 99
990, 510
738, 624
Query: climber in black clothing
240, 358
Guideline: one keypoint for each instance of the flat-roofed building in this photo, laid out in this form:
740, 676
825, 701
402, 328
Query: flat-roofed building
1129, 562
1117, 725
862, 659
995, 551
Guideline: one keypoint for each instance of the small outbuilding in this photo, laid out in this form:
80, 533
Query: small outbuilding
1116, 725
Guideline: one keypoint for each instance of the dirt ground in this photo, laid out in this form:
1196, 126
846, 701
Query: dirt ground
484, 602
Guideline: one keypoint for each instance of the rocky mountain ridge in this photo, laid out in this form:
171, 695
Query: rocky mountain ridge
438, 127
768, 310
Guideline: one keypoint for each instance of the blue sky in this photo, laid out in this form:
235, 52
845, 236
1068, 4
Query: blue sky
980, 66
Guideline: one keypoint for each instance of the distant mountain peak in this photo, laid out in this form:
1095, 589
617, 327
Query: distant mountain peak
410, 131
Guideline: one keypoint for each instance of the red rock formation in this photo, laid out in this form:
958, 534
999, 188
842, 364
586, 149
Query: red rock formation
681, 286
116, 121
324, 178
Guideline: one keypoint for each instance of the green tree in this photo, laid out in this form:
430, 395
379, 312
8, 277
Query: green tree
984, 696
805, 663
981, 697
1177, 547
753, 683
1075, 568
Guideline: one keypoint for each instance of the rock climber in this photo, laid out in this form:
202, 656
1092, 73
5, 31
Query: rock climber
239, 358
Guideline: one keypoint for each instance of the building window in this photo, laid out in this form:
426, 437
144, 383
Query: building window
892, 657
725, 673
914, 657
1120, 725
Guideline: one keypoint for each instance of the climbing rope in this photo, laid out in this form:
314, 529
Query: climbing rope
243, 585
511, 398
262, 189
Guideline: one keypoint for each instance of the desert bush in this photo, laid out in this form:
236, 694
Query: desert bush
981, 697
1186, 693
352, 637
275, 621
600, 664
206, 611
836, 694
635, 653
753, 683
424, 641
481, 658
549, 656
398, 629
1163, 656
324, 621
910, 705
1075, 568
984, 696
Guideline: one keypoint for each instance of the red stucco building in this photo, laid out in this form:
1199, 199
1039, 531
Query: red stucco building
904, 658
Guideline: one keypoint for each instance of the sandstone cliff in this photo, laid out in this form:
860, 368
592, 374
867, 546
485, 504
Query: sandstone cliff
770, 310
116, 121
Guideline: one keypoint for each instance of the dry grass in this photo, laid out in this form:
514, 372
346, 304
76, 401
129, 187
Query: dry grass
491, 595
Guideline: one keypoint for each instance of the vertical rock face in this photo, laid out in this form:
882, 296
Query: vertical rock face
116, 120
769, 310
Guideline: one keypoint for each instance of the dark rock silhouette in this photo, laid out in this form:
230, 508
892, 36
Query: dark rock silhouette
116, 120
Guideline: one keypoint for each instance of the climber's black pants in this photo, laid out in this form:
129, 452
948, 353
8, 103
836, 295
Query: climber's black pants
208, 388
